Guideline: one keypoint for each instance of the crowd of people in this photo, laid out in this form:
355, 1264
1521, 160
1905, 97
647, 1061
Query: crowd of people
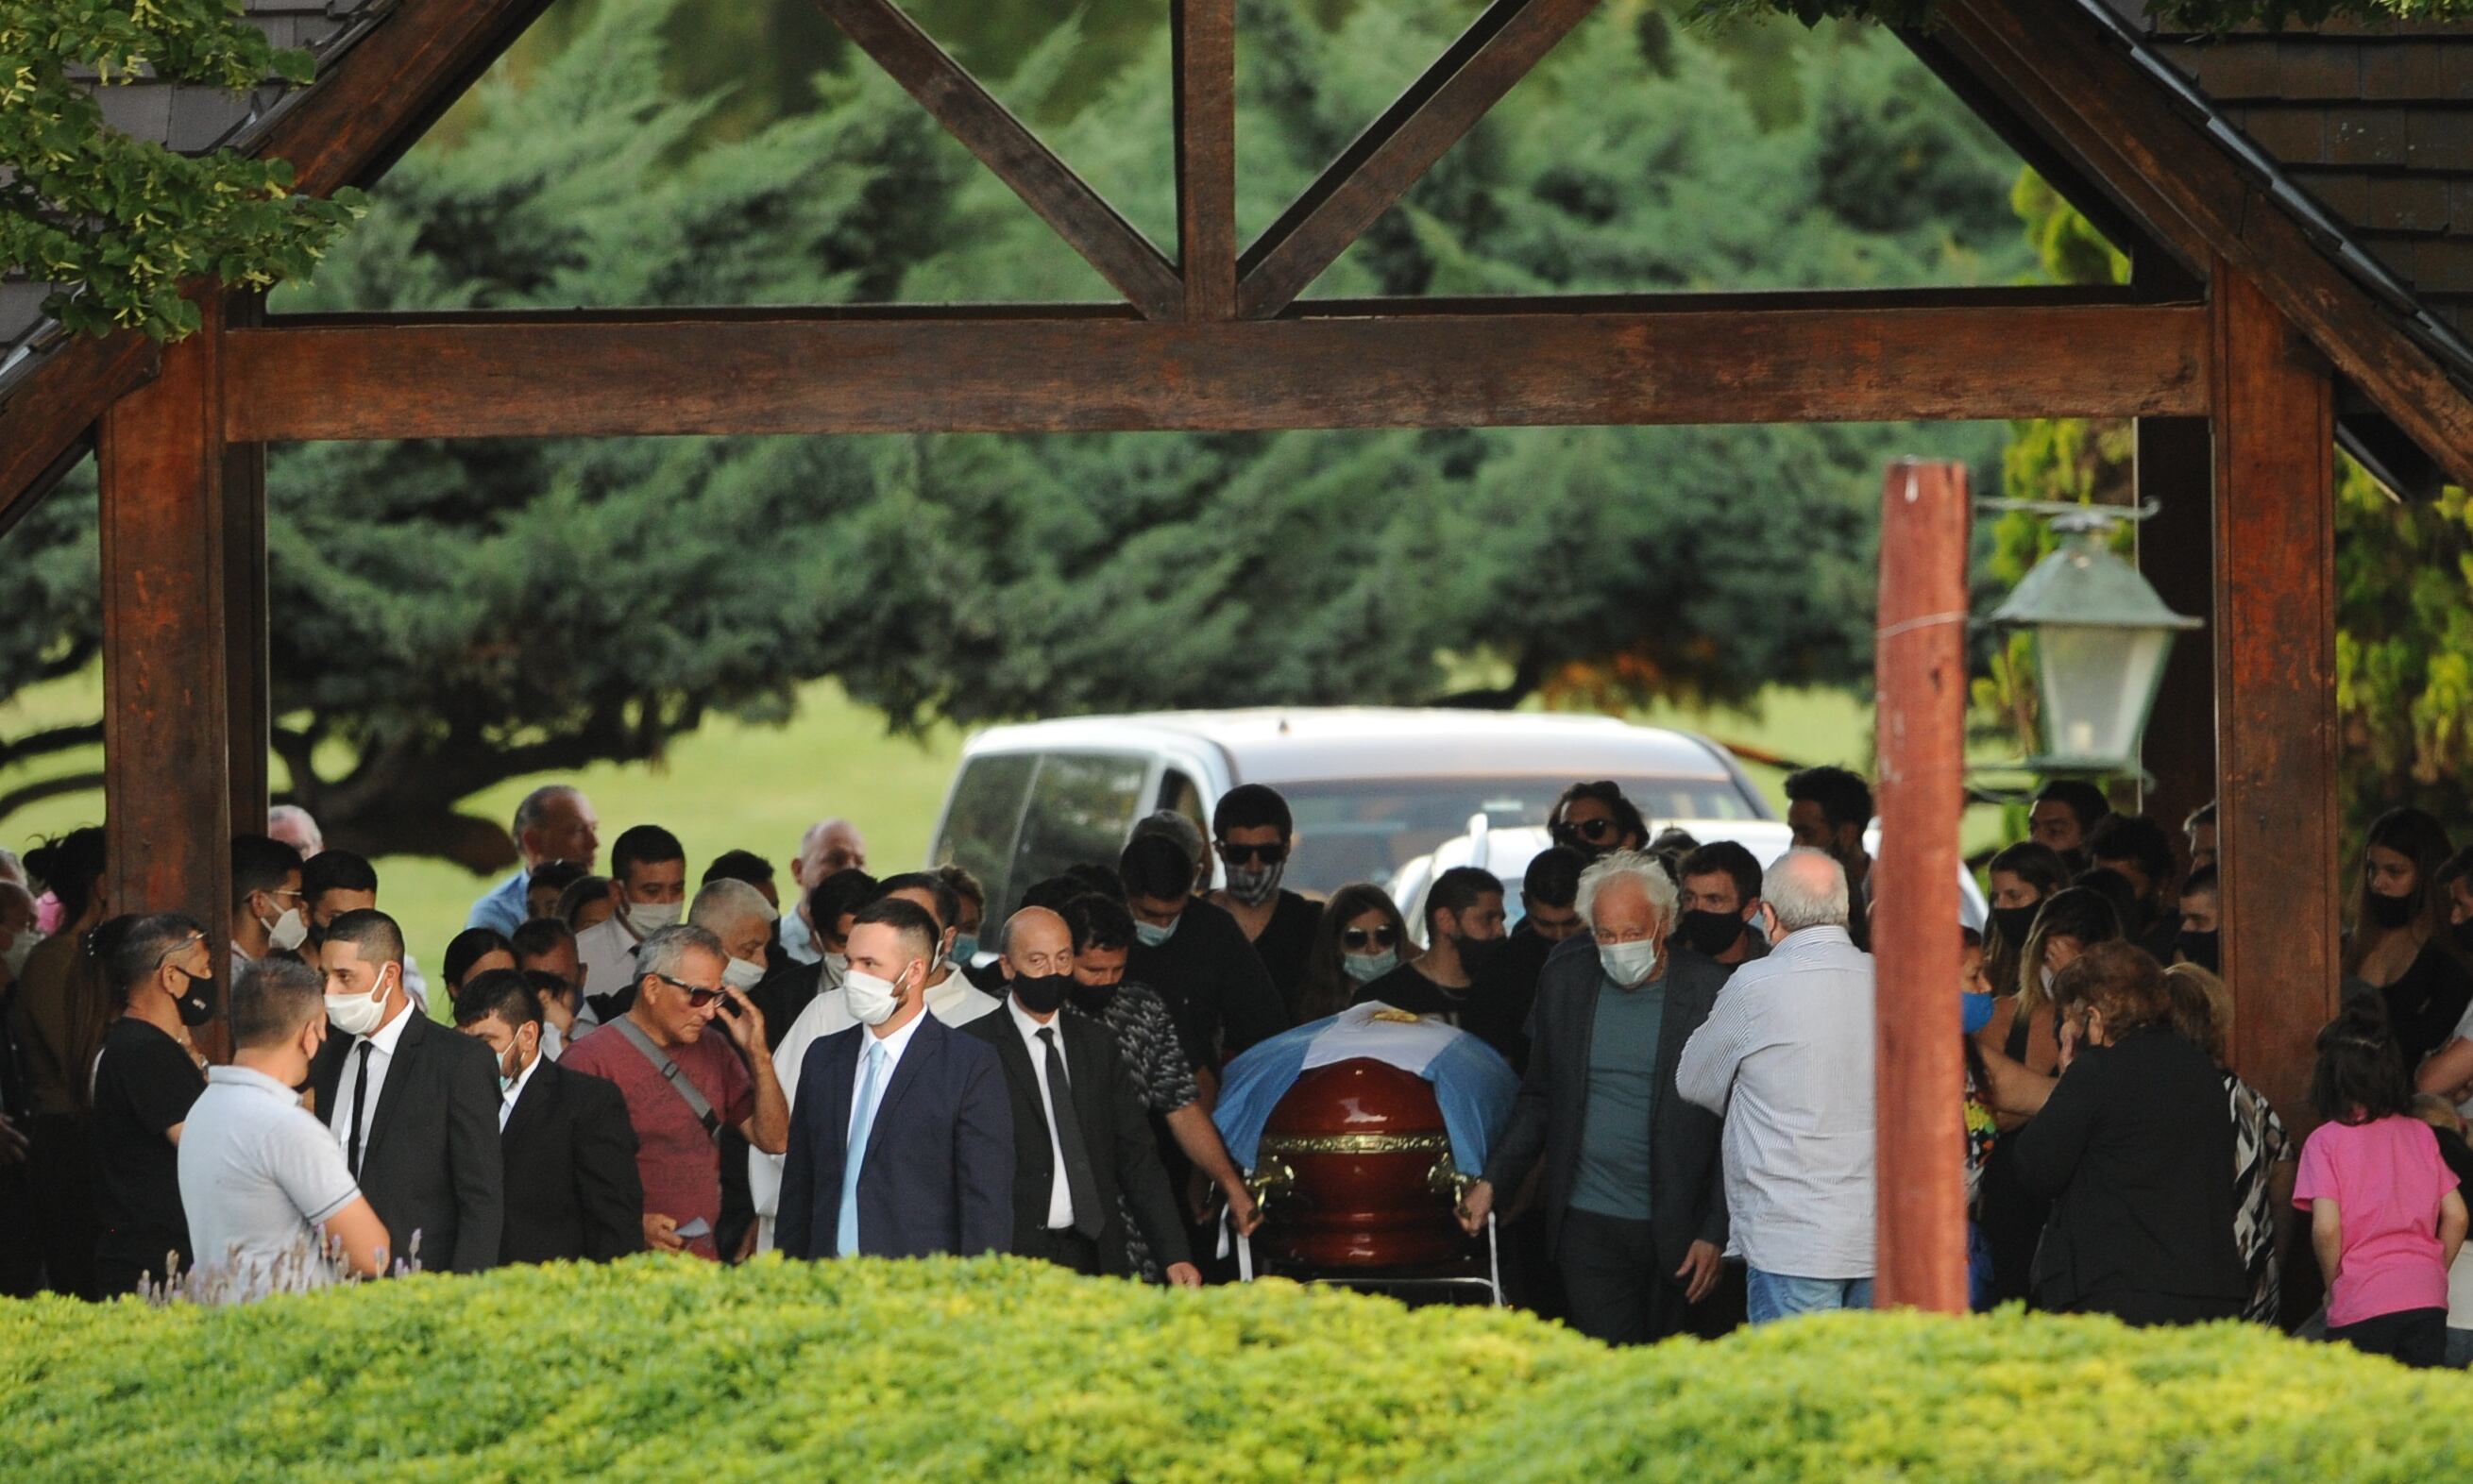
607, 1064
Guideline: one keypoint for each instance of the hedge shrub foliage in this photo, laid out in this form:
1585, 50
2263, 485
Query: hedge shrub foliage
668, 1369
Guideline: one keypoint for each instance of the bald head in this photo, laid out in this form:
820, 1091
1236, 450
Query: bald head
1036, 942
828, 847
1807, 888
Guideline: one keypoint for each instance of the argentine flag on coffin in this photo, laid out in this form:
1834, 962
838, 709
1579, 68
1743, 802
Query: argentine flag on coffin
1474, 1086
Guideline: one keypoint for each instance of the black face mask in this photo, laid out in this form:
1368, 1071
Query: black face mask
2393, 911
2014, 923
1478, 953
2463, 933
1710, 932
198, 1003
1089, 998
1043, 995
2200, 948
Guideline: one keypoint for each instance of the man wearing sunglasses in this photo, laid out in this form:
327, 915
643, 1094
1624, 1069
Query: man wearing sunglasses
1596, 819
1255, 834
685, 1087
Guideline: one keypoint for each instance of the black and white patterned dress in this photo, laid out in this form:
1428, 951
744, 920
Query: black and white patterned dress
2259, 1144
1146, 1038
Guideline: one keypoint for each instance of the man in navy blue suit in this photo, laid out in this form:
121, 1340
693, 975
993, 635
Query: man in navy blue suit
901, 1140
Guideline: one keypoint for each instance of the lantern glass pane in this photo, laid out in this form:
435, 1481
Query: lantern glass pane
2097, 684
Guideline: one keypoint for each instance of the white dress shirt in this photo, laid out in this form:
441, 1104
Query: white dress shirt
1060, 1194
382, 1042
507, 1100
607, 952
1786, 1058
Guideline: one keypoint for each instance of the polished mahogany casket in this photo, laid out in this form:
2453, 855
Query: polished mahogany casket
1356, 1170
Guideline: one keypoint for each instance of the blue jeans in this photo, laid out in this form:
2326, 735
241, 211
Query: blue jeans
1772, 1295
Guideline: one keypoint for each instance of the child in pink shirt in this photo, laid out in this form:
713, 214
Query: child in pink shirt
2385, 1213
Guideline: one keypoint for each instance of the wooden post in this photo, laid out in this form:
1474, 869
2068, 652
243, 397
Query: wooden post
1920, 1070
245, 611
2176, 553
166, 746
1206, 155
2277, 823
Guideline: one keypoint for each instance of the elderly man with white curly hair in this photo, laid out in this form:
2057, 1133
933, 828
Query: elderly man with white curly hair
1634, 1211
1787, 1059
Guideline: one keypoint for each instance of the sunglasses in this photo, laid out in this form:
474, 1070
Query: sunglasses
1593, 830
697, 998
1360, 937
1242, 854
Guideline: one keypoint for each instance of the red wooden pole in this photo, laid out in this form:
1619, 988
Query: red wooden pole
1919, 1071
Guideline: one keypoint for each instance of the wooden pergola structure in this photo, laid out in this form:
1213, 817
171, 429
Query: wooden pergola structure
2230, 347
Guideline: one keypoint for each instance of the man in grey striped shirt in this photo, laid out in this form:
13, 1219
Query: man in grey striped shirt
1786, 1058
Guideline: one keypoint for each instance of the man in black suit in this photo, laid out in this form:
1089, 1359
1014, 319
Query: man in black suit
901, 1140
1083, 1153
572, 1190
1634, 1199
414, 1105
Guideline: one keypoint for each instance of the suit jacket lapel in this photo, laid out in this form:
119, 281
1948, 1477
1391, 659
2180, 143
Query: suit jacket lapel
398, 1081
926, 1044
532, 1103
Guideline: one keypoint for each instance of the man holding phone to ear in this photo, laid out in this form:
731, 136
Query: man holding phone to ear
683, 1085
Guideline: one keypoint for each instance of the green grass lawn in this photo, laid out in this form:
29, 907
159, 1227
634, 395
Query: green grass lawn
731, 785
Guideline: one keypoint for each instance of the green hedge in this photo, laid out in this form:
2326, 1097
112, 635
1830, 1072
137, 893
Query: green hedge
672, 1369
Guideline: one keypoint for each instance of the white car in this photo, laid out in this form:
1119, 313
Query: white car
1371, 789
1508, 853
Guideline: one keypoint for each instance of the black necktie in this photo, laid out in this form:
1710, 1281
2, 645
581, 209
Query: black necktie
360, 1110
1079, 1185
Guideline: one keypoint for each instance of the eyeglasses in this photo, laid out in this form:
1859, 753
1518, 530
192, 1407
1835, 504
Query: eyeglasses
1360, 937
697, 998
1244, 854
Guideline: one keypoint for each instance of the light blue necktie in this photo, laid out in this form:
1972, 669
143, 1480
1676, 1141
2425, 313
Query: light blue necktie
863, 1119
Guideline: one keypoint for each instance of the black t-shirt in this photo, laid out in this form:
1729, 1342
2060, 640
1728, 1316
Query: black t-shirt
1503, 993
2424, 1005
144, 1085
1212, 982
781, 995
1406, 989
1287, 946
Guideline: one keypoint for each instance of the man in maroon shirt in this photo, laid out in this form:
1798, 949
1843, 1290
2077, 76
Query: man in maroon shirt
683, 1087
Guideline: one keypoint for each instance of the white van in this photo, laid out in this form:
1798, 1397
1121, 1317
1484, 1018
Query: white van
1371, 789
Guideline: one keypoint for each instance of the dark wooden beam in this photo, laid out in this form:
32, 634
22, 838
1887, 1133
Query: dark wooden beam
1206, 155
167, 786
626, 373
383, 92
1005, 144
2277, 821
2176, 552
249, 699
2134, 136
1498, 49
48, 424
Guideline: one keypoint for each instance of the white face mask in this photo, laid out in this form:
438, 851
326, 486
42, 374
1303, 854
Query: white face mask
1630, 963
648, 917
836, 968
358, 1014
19, 947
740, 974
288, 931
871, 1001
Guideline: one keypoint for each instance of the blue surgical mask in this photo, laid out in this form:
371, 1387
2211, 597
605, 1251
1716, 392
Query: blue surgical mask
1975, 1013
1366, 968
1152, 935
966, 948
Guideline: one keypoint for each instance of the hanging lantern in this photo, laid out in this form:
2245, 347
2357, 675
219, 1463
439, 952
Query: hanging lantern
2102, 636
